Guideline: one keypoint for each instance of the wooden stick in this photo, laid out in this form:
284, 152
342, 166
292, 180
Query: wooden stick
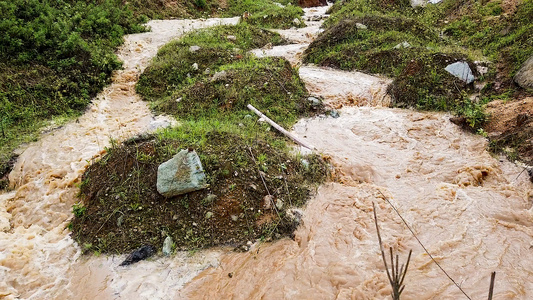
491, 288
280, 129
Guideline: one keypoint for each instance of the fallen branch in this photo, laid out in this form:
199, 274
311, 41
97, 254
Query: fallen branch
280, 129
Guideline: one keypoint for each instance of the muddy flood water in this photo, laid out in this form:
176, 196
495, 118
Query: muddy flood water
472, 211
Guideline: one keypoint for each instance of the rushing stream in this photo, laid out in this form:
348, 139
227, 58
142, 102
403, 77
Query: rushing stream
471, 210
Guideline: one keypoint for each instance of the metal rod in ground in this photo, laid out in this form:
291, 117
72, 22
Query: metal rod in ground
491, 289
280, 129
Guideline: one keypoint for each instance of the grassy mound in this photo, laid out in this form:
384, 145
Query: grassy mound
436, 35
253, 178
122, 209
225, 78
266, 13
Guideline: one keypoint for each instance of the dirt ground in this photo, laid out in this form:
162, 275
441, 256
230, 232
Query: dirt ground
510, 129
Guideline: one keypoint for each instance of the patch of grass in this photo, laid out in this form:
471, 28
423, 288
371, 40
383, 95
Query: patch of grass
266, 13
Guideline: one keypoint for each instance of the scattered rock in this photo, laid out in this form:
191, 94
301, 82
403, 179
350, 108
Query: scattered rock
314, 101
208, 215
267, 201
195, 66
295, 214
207, 71
296, 22
194, 48
209, 199
334, 114
402, 45
231, 38
181, 174
461, 70
361, 26
279, 204
234, 218
481, 67
140, 254
220, 76
524, 76
167, 246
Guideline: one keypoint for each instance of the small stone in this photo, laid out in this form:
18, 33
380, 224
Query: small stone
174, 217
167, 246
295, 214
194, 48
524, 76
208, 215
296, 22
234, 218
195, 66
207, 71
334, 114
220, 76
267, 201
314, 101
231, 38
402, 45
279, 204
361, 26
305, 163
140, 254
209, 199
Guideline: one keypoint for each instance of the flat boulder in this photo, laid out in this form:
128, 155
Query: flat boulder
524, 76
461, 70
181, 174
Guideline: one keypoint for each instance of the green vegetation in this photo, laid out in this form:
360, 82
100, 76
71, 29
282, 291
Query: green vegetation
414, 45
244, 160
55, 56
266, 13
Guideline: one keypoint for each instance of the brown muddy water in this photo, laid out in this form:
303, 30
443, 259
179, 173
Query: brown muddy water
471, 210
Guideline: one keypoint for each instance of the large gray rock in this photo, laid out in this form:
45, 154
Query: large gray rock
181, 174
461, 70
524, 76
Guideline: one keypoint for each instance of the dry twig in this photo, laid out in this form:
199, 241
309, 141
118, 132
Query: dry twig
398, 274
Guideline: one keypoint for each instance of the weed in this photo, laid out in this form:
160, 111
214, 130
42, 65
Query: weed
79, 210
